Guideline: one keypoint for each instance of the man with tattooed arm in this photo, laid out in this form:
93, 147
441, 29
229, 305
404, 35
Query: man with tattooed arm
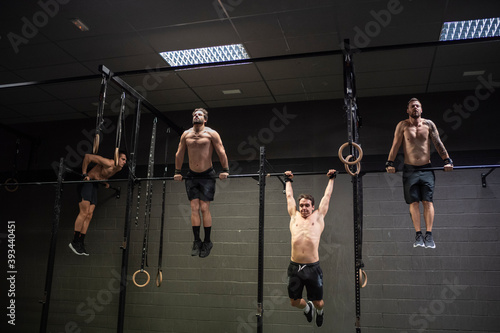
416, 134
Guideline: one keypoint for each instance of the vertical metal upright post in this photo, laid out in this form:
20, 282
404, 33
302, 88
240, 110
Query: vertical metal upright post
128, 218
52, 250
353, 124
260, 282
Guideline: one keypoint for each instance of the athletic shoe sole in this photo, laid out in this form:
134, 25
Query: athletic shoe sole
74, 250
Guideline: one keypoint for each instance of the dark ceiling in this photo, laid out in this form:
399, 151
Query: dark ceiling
39, 43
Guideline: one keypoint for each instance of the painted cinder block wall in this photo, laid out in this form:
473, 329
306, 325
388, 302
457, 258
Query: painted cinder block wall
454, 287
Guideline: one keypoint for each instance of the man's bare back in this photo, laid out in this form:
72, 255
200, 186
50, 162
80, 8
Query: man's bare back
306, 234
105, 167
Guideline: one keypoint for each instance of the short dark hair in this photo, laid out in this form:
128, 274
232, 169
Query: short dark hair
121, 151
413, 99
307, 197
205, 113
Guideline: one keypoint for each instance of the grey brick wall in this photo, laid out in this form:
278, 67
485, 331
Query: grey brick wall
454, 287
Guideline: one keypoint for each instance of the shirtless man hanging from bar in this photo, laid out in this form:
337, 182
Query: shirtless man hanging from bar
200, 142
416, 134
104, 169
306, 226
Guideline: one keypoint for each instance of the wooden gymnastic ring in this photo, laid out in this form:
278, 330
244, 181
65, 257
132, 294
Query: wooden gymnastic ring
117, 155
358, 167
140, 271
95, 149
358, 147
362, 282
159, 278
9, 181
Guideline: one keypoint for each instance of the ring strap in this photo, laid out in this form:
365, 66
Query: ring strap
100, 113
119, 127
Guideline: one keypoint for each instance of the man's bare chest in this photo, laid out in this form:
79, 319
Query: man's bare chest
198, 141
416, 132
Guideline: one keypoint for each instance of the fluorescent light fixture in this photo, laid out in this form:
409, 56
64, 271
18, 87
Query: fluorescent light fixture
470, 29
231, 92
79, 24
473, 73
205, 55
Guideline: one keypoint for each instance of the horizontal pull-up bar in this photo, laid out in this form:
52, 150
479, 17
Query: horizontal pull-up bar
249, 175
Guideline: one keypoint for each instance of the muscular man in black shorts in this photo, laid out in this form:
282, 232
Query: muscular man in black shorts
200, 142
416, 134
306, 226
104, 169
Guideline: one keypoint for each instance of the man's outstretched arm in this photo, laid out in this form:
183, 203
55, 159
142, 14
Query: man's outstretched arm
221, 152
325, 201
434, 134
396, 143
290, 200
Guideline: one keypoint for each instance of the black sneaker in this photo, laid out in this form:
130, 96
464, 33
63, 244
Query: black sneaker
196, 248
429, 242
205, 249
309, 315
419, 241
84, 251
76, 248
319, 319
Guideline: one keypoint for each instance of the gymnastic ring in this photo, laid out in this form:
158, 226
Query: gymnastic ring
362, 282
358, 147
358, 167
96, 144
159, 278
117, 154
9, 181
140, 271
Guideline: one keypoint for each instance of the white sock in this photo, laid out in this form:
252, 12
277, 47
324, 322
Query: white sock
307, 308
320, 312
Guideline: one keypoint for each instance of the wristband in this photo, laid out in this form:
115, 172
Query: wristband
177, 171
288, 179
84, 175
333, 176
448, 161
226, 170
389, 164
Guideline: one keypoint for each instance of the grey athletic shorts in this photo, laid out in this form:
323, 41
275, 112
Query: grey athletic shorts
418, 185
201, 185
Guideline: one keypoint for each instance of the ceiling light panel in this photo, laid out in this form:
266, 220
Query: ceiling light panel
470, 29
205, 55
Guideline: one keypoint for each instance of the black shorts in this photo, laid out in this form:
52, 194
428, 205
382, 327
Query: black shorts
201, 185
88, 192
418, 185
305, 275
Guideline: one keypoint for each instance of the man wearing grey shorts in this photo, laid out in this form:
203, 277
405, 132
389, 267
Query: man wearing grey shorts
416, 134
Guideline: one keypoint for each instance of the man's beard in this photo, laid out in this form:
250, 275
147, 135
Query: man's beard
415, 115
197, 121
